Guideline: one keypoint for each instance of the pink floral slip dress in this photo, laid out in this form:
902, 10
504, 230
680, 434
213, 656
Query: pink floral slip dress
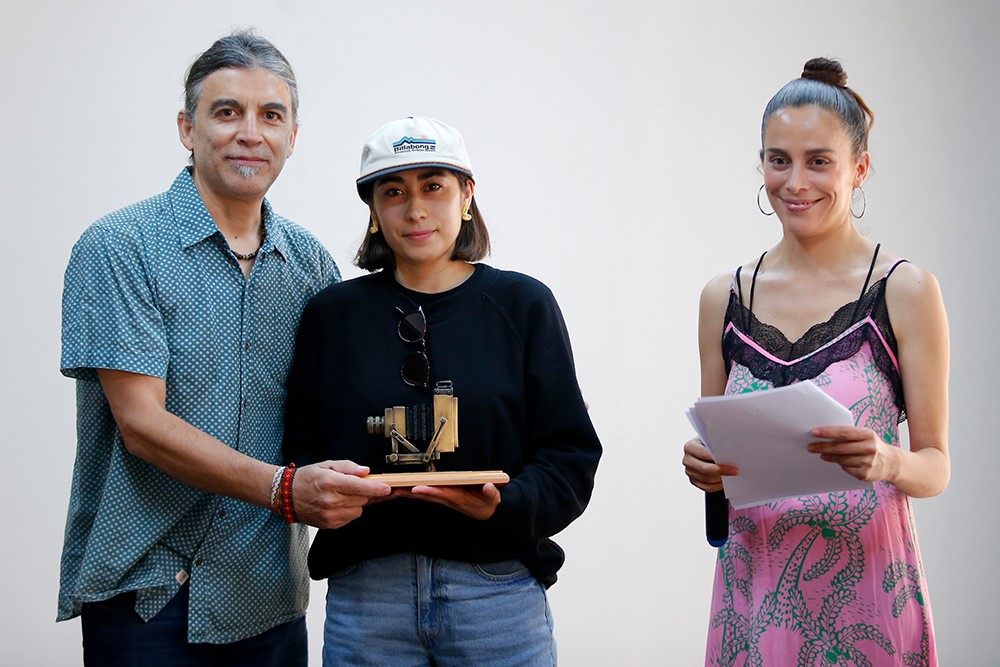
834, 578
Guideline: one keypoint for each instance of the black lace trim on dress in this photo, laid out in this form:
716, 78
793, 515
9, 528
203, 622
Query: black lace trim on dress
812, 359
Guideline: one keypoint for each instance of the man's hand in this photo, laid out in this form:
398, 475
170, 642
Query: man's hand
331, 494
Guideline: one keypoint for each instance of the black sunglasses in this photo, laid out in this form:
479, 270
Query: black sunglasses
416, 369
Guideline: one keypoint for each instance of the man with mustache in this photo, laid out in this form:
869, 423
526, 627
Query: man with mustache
179, 315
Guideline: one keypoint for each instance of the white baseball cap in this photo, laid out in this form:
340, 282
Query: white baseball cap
411, 143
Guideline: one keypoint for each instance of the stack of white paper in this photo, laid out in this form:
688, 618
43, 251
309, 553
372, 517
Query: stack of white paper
766, 434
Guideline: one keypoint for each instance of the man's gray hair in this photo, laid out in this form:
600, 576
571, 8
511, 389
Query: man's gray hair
239, 50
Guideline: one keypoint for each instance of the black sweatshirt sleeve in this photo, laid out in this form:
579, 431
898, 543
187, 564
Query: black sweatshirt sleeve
562, 448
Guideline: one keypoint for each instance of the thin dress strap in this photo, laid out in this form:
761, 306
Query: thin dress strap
870, 269
868, 279
753, 281
893, 268
739, 287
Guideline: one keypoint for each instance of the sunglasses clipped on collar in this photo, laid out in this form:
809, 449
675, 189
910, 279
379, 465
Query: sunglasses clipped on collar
416, 369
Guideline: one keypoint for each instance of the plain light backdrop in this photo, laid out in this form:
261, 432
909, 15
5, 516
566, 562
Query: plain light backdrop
615, 149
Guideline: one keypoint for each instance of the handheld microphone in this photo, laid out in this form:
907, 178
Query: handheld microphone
716, 518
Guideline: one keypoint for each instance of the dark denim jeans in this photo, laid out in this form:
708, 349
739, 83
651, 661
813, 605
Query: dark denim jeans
115, 636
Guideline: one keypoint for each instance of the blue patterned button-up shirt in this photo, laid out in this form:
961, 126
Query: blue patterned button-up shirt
153, 289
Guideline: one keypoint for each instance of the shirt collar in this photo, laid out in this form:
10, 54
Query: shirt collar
196, 224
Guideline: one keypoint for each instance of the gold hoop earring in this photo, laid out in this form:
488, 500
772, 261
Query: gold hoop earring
758, 202
864, 203
466, 216
374, 228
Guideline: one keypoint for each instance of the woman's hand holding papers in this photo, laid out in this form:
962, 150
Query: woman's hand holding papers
859, 451
701, 469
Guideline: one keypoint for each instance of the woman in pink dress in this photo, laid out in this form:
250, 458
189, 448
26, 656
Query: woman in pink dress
832, 578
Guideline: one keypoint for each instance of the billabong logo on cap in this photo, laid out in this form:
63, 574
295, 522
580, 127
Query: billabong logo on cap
411, 145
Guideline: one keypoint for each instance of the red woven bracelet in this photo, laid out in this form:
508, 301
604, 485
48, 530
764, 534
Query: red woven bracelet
285, 494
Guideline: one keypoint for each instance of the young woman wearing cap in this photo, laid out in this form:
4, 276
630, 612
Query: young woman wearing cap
443, 575
835, 577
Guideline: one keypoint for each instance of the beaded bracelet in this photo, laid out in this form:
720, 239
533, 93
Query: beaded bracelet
274, 489
285, 494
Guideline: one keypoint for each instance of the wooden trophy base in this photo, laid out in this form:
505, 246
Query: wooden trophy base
442, 478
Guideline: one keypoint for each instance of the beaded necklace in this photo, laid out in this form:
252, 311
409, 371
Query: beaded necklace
251, 255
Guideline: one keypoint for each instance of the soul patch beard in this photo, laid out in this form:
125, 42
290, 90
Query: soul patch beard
247, 172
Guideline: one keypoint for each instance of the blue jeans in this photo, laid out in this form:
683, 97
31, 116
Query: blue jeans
115, 636
413, 610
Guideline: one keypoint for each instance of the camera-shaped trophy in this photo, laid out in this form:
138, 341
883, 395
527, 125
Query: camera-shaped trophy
435, 427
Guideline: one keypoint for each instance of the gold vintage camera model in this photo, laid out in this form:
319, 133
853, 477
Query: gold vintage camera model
436, 425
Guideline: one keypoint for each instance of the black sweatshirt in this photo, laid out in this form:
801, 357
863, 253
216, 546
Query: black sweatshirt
501, 340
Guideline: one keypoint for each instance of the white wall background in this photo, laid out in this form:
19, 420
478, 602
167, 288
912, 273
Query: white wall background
615, 151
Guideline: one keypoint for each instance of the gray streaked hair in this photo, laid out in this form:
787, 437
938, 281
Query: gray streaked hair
239, 50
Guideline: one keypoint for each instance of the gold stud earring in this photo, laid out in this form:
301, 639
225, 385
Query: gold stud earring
466, 216
374, 228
